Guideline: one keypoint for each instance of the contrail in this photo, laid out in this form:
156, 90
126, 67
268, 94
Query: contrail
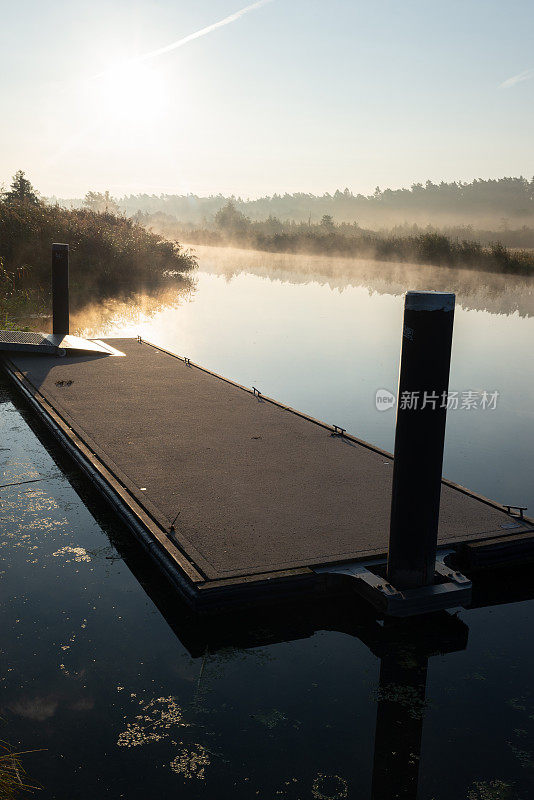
186, 39
523, 76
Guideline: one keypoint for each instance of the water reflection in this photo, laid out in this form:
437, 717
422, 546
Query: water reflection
129, 690
404, 648
108, 315
322, 701
122, 309
480, 291
402, 698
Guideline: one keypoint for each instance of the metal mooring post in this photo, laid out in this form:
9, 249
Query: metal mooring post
60, 288
419, 437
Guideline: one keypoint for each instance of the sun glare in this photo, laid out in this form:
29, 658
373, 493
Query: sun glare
129, 94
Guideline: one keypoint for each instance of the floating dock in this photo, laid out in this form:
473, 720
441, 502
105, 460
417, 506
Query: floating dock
239, 498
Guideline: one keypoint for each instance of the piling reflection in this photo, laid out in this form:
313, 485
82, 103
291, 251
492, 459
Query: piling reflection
399, 726
408, 646
404, 648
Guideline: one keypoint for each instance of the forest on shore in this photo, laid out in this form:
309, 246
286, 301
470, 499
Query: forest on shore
110, 254
484, 207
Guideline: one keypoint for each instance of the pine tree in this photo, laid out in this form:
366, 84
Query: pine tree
21, 191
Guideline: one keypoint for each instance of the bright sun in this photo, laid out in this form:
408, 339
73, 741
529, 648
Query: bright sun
129, 94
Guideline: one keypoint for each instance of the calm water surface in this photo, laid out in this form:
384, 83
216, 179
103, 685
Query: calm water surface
127, 696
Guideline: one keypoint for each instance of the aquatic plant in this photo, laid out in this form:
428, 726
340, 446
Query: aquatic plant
406, 696
491, 790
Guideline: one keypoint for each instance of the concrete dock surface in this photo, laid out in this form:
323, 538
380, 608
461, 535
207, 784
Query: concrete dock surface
240, 485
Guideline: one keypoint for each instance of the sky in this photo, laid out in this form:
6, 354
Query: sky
290, 95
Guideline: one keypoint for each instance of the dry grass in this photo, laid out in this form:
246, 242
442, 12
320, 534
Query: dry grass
12, 774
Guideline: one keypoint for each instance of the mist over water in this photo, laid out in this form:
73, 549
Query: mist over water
483, 291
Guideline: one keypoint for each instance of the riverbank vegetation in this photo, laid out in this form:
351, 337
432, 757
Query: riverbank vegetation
232, 228
109, 254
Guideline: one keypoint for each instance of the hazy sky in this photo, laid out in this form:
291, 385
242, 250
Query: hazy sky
293, 95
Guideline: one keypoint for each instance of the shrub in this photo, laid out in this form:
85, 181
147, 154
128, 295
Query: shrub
108, 253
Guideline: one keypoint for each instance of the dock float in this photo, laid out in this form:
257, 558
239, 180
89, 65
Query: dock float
240, 499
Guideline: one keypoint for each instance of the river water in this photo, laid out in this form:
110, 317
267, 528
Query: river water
124, 695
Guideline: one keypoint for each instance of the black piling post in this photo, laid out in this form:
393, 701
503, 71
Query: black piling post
419, 437
60, 289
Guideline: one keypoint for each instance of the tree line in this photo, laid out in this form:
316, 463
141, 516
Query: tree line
494, 203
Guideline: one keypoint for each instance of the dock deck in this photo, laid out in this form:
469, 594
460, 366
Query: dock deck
230, 490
